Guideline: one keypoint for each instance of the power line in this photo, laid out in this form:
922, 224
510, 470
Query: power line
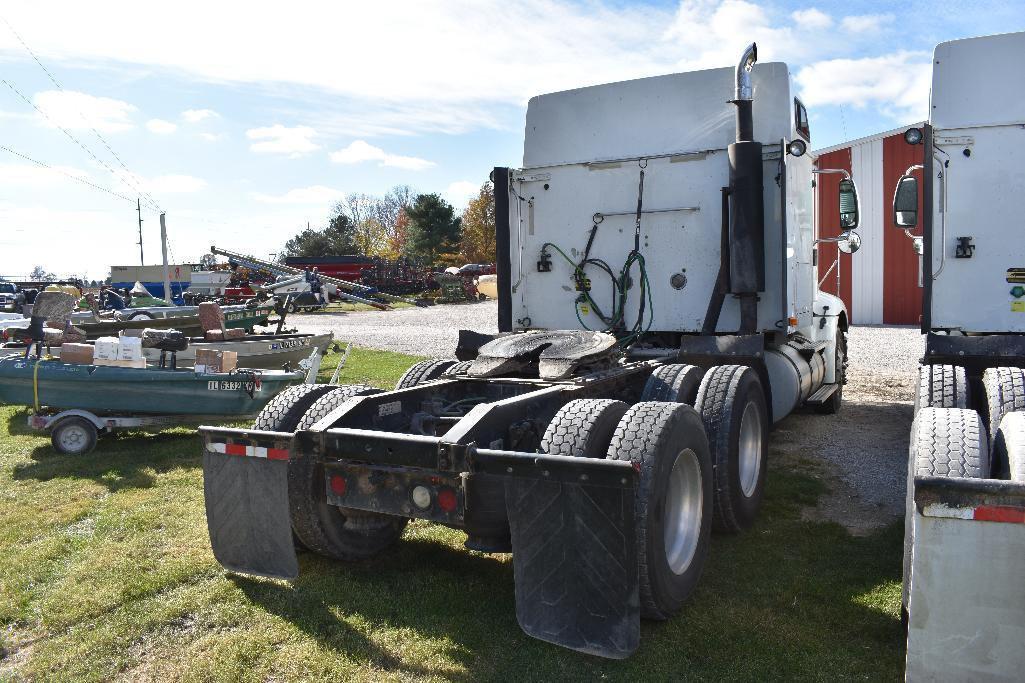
78, 142
73, 177
103, 140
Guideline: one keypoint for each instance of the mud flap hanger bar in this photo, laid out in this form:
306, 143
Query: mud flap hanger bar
425, 452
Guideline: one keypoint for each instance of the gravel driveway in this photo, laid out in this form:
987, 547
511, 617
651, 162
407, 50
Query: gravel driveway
861, 452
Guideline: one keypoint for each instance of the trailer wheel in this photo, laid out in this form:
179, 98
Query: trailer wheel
833, 405
340, 533
945, 442
73, 435
1009, 448
942, 386
1004, 390
732, 405
675, 383
285, 410
583, 428
667, 443
424, 371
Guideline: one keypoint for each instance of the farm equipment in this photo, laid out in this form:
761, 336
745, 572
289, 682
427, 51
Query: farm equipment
602, 458
964, 541
343, 289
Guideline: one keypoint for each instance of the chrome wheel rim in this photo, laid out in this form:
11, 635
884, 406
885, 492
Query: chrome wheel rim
73, 438
684, 507
750, 449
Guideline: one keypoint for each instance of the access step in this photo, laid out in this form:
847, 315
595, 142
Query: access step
824, 393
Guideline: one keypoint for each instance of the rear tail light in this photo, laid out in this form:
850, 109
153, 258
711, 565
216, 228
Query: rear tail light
447, 499
338, 485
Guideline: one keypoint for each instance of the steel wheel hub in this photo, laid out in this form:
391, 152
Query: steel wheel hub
750, 449
684, 507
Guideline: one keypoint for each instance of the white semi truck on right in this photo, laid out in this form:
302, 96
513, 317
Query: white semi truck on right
964, 544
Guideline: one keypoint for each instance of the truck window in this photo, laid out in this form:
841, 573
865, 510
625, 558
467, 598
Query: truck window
801, 120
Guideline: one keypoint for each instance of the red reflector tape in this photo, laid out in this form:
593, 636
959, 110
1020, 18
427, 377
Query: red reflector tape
999, 513
248, 451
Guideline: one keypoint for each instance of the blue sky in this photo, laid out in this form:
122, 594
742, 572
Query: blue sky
243, 121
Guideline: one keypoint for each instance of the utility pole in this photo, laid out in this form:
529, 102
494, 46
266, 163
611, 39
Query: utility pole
138, 207
167, 271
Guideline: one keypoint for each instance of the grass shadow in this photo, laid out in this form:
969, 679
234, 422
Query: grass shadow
787, 599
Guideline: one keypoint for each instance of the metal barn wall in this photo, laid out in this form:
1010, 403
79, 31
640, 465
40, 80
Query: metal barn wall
867, 265
829, 226
902, 300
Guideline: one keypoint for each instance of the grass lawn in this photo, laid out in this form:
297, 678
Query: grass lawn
106, 574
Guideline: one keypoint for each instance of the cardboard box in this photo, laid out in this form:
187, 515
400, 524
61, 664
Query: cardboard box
129, 348
105, 348
212, 360
76, 353
139, 363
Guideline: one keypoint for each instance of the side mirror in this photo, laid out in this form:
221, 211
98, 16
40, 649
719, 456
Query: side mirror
905, 202
849, 241
848, 204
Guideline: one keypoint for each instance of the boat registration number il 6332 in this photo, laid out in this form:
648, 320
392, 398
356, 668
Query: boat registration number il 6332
225, 385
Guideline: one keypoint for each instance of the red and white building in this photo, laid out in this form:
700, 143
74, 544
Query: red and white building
879, 283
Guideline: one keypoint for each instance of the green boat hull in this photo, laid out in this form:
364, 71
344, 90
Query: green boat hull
245, 319
107, 389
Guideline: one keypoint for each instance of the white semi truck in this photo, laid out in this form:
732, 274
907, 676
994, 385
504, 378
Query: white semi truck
658, 312
964, 557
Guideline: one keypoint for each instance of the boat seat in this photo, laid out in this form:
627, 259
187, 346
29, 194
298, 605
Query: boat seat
166, 341
56, 308
211, 317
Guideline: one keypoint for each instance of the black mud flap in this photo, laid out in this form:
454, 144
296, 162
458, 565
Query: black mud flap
247, 515
575, 564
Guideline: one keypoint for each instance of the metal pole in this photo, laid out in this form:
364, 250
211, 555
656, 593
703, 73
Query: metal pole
138, 207
163, 249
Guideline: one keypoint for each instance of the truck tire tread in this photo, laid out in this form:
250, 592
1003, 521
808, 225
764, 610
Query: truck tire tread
424, 371
1009, 448
284, 411
647, 435
942, 386
675, 383
1004, 392
722, 389
583, 427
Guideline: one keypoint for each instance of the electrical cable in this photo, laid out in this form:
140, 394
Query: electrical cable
73, 177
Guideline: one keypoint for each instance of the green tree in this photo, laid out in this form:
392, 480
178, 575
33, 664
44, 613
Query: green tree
338, 238
477, 244
433, 229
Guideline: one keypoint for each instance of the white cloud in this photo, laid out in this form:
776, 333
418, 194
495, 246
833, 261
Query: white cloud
278, 139
897, 83
459, 193
313, 195
78, 111
865, 23
197, 115
361, 151
173, 184
161, 127
812, 18
211, 137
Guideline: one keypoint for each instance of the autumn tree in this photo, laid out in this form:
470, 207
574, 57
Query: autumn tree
433, 229
477, 243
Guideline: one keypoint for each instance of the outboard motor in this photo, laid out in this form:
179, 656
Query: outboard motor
747, 215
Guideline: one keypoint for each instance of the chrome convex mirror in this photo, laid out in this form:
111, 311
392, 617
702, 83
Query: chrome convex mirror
849, 241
